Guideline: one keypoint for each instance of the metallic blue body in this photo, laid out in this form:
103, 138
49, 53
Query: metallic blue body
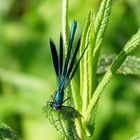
68, 72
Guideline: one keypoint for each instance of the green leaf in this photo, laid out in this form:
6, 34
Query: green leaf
99, 28
130, 66
102, 19
83, 63
63, 121
94, 34
129, 48
7, 133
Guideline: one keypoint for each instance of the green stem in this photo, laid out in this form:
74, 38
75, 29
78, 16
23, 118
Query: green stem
65, 25
66, 33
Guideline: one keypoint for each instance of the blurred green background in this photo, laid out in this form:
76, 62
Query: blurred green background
27, 78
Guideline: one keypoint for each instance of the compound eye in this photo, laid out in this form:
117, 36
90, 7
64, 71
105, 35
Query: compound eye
51, 103
59, 105
55, 106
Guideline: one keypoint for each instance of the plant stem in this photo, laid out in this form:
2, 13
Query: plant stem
65, 25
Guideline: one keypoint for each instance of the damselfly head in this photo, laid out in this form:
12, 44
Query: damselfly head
55, 105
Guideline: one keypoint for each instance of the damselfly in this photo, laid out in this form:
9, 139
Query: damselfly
64, 73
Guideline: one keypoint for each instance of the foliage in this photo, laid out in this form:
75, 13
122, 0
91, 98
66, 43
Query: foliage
129, 66
7, 133
85, 98
27, 77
